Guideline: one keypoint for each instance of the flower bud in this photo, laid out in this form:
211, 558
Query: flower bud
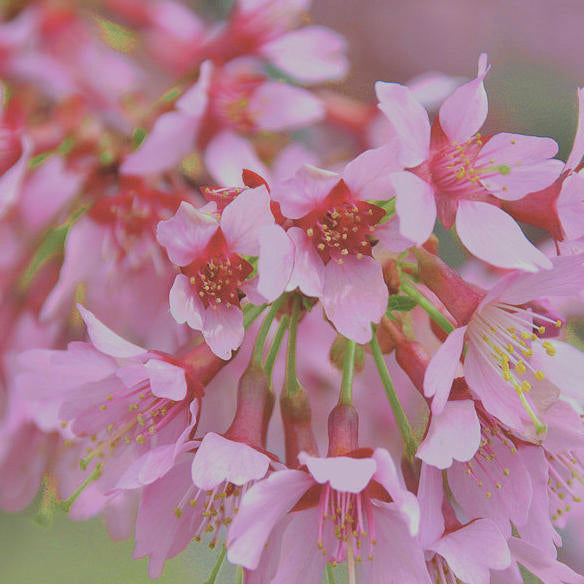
343, 430
297, 419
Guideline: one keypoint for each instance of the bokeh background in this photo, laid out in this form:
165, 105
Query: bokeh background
535, 48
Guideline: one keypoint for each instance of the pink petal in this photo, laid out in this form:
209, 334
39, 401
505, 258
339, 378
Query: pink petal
186, 234
223, 329
493, 236
408, 119
389, 234
227, 154
310, 55
565, 369
290, 159
105, 340
243, 217
275, 263
545, 567
219, 459
166, 380
442, 368
195, 100
277, 106
301, 560
185, 306
308, 272
473, 550
569, 206
464, 112
303, 193
148, 468
47, 190
11, 180
169, 141
262, 507
369, 175
415, 206
521, 165
578, 147
432, 88
430, 497
454, 434
388, 477
350, 475
354, 296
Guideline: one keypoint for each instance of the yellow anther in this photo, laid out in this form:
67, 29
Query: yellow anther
520, 367
192, 280
140, 439
526, 386
558, 323
109, 397
310, 232
102, 407
541, 330
506, 472
140, 419
488, 494
539, 375
177, 512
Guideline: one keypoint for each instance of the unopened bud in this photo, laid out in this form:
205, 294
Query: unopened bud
255, 403
297, 419
460, 298
343, 430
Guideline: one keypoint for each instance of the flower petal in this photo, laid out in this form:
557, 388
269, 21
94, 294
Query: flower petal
408, 119
493, 236
223, 329
464, 112
166, 380
275, 262
454, 434
185, 306
186, 234
442, 369
354, 296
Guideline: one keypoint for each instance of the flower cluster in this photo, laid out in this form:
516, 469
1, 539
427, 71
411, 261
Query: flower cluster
143, 311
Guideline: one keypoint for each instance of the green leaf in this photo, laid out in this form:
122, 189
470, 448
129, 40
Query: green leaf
138, 137
115, 35
400, 303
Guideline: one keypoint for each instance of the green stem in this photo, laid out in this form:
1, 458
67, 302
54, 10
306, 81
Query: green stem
217, 567
239, 575
258, 350
405, 430
275, 348
409, 289
67, 503
250, 313
346, 396
330, 577
291, 383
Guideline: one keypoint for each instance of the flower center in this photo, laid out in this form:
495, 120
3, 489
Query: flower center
505, 335
216, 508
342, 229
351, 515
129, 416
229, 101
217, 281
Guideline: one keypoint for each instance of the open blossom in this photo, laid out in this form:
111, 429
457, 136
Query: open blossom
237, 97
328, 248
558, 208
455, 174
115, 398
509, 352
263, 28
206, 294
344, 508
118, 234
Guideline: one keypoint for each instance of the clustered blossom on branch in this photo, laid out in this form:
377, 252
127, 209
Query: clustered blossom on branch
177, 198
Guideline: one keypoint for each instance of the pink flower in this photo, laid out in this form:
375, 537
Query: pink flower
236, 97
339, 508
327, 246
508, 351
113, 397
312, 54
456, 552
196, 496
206, 294
558, 208
456, 174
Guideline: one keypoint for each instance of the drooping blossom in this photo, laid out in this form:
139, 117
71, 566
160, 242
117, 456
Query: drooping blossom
343, 508
237, 97
455, 174
115, 399
510, 350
